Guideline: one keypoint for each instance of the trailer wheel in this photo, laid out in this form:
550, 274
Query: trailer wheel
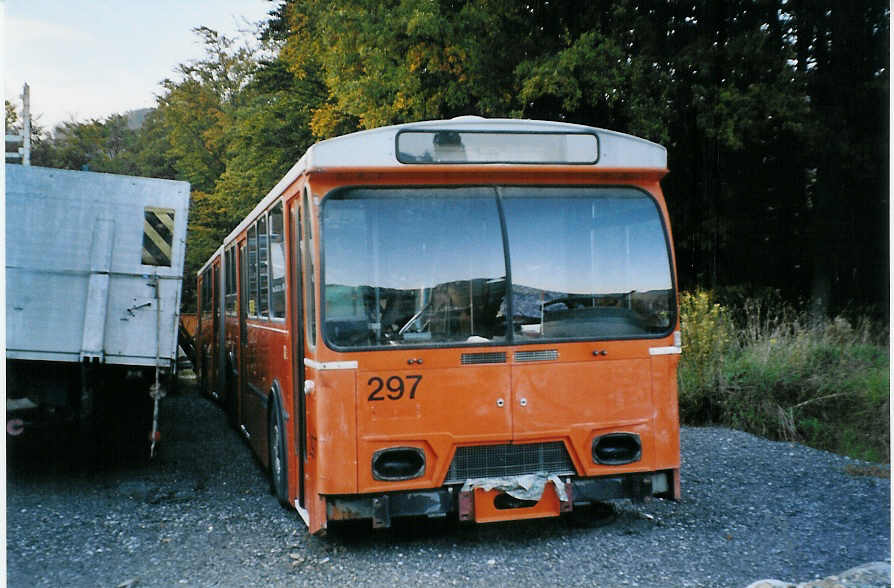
276, 445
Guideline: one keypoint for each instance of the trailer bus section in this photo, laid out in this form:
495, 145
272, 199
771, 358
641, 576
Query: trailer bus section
94, 266
467, 317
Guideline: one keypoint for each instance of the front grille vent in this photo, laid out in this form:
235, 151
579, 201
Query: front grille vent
540, 355
491, 461
476, 358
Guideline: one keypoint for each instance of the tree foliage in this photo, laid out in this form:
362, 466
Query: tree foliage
12, 117
388, 62
774, 113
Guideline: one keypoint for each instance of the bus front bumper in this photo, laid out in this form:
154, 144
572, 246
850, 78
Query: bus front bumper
478, 506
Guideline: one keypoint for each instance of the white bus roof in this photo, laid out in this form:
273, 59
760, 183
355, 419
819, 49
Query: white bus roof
377, 148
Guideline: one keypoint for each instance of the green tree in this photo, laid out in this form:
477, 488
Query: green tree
594, 67
12, 117
270, 131
152, 155
104, 146
383, 63
737, 126
189, 134
843, 53
196, 110
13, 123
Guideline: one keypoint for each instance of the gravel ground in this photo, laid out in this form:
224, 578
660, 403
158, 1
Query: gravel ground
201, 515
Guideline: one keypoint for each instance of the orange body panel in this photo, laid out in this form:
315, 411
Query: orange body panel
335, 434
451, 405
486, 510
666, 424
267, 363
571, 401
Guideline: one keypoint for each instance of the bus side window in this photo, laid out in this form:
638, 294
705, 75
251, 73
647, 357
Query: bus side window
277, 264
252, 271
215, 297
263, 275
202, 288
230, 280
307, 244
206, 292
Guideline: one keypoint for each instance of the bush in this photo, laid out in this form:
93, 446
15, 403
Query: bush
707, 335
770, 373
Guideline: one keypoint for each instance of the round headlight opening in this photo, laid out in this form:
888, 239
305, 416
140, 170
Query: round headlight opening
398, 463
617, 448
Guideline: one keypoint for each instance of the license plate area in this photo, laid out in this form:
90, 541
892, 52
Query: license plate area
492, 506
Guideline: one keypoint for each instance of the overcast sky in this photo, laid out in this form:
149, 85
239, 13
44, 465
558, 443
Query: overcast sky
92, 58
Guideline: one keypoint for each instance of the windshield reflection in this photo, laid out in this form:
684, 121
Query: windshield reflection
426, 266
589, 262
413, 266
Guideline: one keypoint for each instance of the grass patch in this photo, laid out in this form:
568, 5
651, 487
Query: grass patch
765, 368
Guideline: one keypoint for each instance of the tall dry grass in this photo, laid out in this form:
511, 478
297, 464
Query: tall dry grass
765, 368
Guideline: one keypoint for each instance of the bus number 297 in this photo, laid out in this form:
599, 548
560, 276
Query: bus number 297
393, 388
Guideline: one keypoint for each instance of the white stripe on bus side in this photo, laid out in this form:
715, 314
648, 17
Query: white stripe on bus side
330, 365
672, 350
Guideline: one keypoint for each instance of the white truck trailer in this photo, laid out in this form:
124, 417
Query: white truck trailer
94, 268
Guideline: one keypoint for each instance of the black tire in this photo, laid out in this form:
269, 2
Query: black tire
276, 447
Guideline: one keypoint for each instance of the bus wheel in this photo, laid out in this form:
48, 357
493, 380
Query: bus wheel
277, 452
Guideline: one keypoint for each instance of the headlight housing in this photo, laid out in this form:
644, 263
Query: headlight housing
398, 463
617, 448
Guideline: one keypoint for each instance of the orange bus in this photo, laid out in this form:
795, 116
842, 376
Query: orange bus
470, 317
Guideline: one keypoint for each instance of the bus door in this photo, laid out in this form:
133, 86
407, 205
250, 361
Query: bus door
201, 326
297, 328
241, 387
214, 343
240, 342
256, 380
220, 320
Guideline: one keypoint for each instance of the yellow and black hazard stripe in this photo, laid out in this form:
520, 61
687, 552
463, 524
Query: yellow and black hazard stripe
158, 235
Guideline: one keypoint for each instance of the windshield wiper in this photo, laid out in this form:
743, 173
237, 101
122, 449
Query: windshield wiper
404, 328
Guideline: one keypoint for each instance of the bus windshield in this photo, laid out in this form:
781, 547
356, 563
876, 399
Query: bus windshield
427, 266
